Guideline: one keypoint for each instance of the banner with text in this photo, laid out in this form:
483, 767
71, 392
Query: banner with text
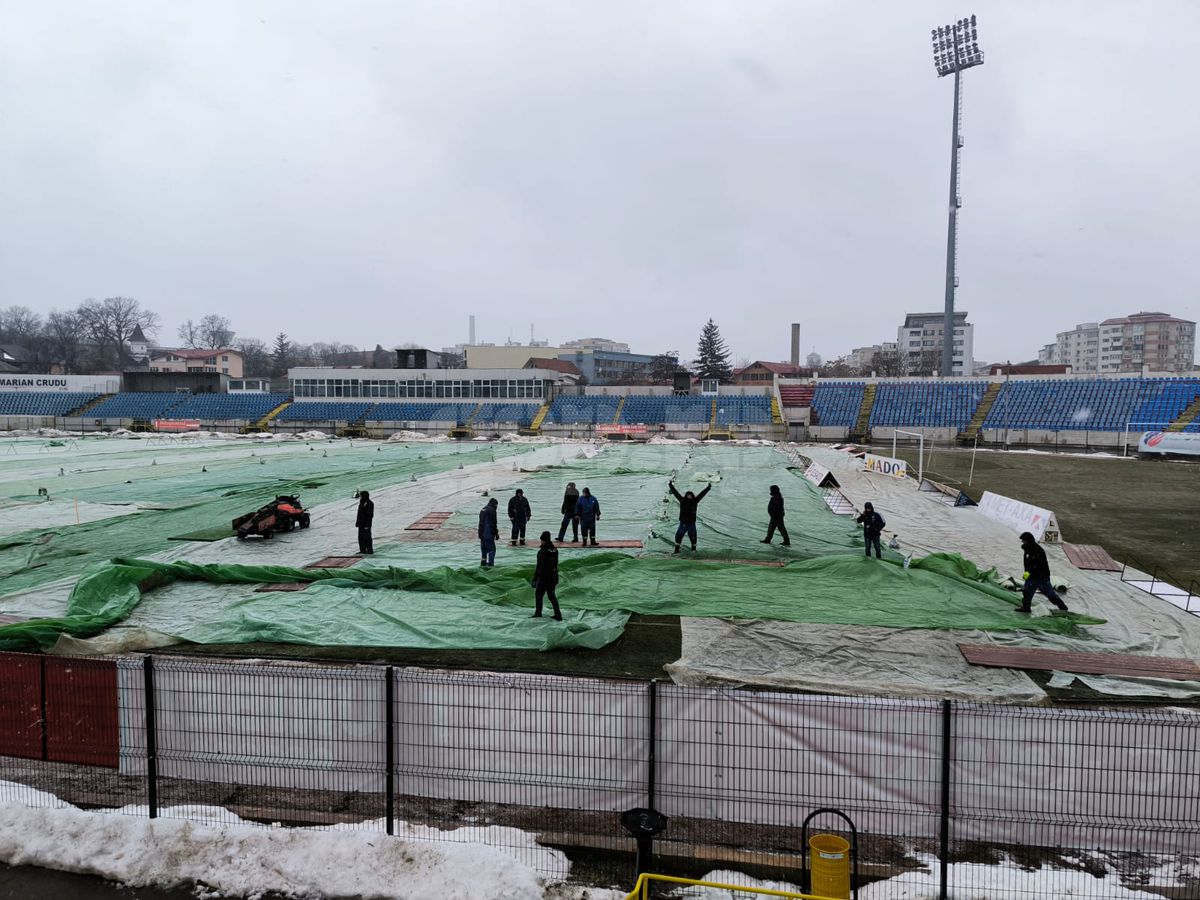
886, 465
1021, 516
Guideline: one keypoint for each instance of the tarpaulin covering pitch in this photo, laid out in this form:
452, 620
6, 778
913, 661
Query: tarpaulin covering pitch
389, 606
175, 497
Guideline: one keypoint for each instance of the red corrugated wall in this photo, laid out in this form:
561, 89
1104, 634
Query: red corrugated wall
20, 705
80, 713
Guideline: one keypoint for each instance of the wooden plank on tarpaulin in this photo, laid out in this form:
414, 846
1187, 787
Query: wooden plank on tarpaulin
334, 562
1083, 663
1091, 556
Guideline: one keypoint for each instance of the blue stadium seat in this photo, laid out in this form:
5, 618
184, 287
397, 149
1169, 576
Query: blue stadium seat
138, 405
42, 403
837, 404
927, 404
217, 407
1093, 405
583, 410
324, 411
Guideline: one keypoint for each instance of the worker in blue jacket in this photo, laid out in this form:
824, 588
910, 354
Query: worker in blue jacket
489, 530
872, 523
588, 510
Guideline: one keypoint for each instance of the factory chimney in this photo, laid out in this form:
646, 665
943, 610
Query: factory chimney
795, 343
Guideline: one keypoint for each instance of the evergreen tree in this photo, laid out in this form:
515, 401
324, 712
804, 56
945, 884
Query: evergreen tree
281, 355
712, 356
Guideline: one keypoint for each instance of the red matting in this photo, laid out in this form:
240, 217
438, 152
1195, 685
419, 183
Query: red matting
334, 562
773, 563
1084, 663
1091, 556
282, 586
430, 521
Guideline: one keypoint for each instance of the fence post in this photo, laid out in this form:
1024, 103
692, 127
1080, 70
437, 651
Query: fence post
652, 756
151, 741
944, 830
390, 753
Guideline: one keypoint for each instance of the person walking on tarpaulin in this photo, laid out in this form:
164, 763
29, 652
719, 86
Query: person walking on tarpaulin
570, 516
366, 515
520, 513
545, 577
588, 510
687, 514
489, 530
872, 523
1037, 575
775, 514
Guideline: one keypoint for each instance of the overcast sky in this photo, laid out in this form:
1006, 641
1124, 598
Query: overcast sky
376, 171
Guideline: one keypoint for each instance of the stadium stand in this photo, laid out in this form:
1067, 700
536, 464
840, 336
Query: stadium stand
1068, 405
673, 410
744, 410
507, 413
216, 407
926, 404
837, 404
422, 412
138, 405
583, 410
1168, 404
325, 411
796, 395
42, 403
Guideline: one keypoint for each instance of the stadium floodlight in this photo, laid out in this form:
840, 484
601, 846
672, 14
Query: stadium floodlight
955, 49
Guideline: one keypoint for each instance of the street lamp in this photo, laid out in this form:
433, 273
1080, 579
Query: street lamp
955, 48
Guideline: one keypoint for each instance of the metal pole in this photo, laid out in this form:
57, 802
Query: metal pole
944, 830
151, 740
651, 756
951, 233
974, 450
389, 694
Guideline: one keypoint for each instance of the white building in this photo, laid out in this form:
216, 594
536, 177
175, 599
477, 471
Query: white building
1048, 355
864, 357
1151, 340
1078, 348
604, 345
920, 339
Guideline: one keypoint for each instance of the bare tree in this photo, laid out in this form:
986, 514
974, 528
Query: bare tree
111, 322
215, 332
64, 335
19, 325
663, 368
189, 334
256, 357
889, 364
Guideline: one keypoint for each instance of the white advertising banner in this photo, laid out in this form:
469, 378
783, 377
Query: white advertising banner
1021, 516
100, 384
886, 465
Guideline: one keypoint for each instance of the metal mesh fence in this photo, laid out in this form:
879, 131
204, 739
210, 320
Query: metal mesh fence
948, 799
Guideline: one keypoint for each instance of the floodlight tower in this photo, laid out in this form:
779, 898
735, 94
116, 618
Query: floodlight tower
955, 48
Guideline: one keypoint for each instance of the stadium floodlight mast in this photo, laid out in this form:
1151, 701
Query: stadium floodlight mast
955, 48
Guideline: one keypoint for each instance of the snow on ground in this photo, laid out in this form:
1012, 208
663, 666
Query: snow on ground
227, 857
967, 881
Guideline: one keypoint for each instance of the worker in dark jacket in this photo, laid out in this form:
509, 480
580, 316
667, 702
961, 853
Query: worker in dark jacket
489, 530
775, 514
570, 516
687, 514
588, 510
363, 521
520, 513
1037, 575
872, 523
545, 577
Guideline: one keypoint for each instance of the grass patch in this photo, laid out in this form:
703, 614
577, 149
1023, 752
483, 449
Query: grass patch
1141, 511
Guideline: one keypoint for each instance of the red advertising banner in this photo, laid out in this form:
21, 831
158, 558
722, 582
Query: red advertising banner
177, 425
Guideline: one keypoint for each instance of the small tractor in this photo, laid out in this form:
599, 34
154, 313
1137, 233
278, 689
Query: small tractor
281, 514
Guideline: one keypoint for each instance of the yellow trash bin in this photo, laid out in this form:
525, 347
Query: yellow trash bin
830, 865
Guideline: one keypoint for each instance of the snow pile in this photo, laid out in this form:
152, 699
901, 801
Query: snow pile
967, 881
313, 435
408, 436
215, 849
